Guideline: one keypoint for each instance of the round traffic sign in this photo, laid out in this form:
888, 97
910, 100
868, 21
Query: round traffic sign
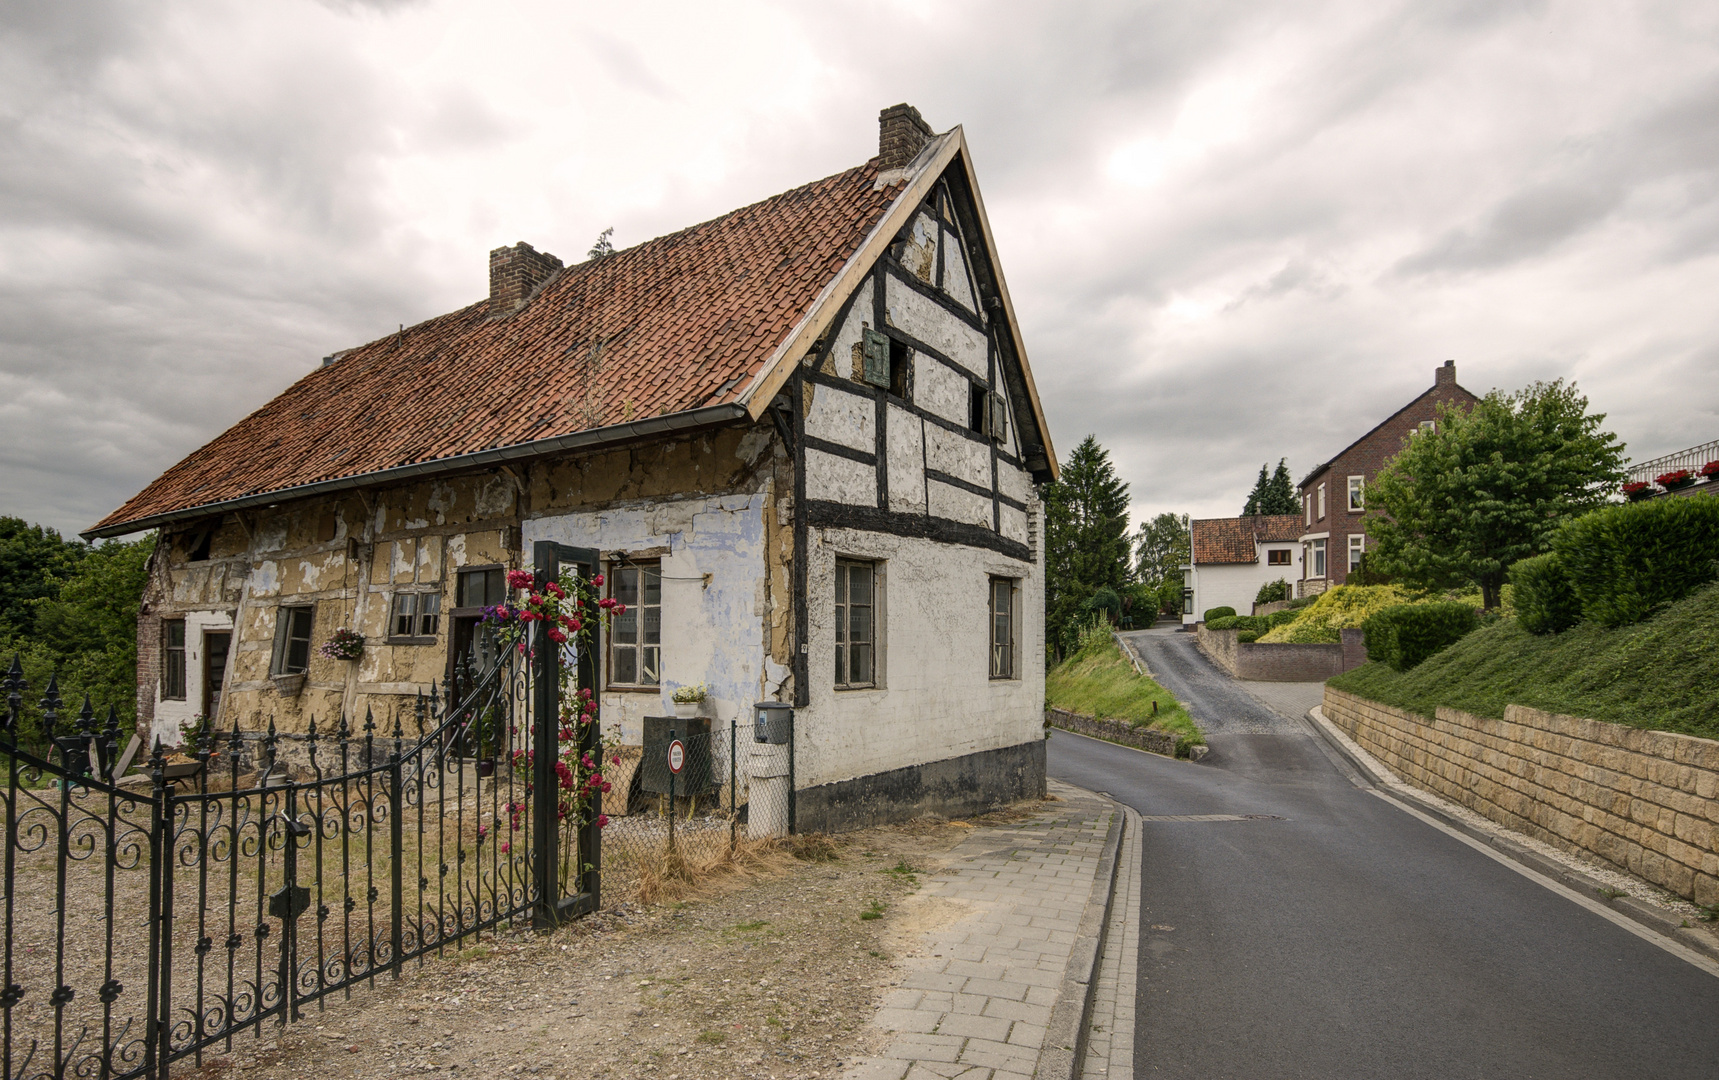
676, 756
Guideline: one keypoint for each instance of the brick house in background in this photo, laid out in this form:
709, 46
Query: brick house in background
1232, 557
1333, 495
803, 438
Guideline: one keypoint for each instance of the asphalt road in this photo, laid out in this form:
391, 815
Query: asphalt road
1339, 937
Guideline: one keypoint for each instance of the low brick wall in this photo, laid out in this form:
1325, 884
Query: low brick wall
1645, 801
1281, 662
1116, 731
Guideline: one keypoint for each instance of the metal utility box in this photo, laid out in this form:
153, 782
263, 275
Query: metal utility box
696, 776
773, 722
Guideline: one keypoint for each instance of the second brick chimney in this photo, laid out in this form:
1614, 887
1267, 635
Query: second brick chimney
514, 274
901, 134
1446, 375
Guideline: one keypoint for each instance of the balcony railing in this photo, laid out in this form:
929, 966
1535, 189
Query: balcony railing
1691, 459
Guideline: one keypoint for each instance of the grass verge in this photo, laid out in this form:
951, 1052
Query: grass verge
1098, 680
1658, 674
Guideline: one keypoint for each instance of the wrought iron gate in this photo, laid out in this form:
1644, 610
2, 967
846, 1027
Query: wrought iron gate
148, 922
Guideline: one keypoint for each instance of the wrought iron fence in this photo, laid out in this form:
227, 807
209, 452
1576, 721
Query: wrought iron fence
152, 917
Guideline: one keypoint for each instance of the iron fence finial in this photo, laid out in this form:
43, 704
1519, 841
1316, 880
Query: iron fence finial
51, 703
15, 686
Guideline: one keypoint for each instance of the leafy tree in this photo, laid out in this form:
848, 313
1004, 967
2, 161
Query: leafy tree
33, 563
1086, 539
1161, 549
1274, 494
1488, 486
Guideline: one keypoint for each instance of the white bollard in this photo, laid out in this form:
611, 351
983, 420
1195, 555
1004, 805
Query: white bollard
767, 792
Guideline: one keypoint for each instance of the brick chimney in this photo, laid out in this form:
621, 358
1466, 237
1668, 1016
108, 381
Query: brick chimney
901, 134
514, 273
1446, 375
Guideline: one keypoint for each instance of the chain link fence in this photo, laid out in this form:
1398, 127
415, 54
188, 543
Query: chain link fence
729, 792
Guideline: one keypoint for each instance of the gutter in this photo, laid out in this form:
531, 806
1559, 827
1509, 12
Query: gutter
580, 440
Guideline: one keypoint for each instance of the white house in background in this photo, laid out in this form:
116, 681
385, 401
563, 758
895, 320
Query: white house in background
803, 438
1233, 557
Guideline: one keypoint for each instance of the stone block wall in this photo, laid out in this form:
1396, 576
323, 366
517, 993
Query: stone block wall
1282, 662
1116, 731
1645, 801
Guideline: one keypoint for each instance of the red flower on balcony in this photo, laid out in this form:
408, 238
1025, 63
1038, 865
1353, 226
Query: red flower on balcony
1675, 479
1710, 470
1637, 490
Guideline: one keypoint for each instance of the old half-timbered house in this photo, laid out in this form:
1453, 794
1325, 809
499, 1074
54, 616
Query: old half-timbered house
804, 437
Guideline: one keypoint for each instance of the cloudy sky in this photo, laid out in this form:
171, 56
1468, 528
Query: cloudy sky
1233, 232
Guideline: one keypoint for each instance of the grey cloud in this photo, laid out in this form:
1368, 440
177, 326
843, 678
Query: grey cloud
1527, 224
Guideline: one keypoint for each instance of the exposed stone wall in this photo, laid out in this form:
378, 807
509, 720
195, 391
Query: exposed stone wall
1645, 801
1282, 662
1116, 731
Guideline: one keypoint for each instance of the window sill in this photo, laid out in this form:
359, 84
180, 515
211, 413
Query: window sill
631, 688
413, 640
857, 687
1006, 678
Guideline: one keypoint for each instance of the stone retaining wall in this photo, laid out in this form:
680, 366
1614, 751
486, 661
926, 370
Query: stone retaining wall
1645, 801
1116, 731
1281, 662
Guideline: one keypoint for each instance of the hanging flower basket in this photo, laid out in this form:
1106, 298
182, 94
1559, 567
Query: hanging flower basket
1637, 491
1675, 480
343, 644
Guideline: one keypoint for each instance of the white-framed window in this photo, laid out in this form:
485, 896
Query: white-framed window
1318, 558
1277, 557
1002, 628
1357, 490
415, 615
856, 624
1321, 502
1428, 425
292, 640
1357, 548
636, 635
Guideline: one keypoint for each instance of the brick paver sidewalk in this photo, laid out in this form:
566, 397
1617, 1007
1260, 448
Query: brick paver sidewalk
981, 995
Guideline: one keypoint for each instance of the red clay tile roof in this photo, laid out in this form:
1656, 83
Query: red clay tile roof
1232, 540
685, 321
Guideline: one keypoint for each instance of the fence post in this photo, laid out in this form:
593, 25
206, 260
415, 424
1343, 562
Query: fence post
733, 752
289, 917
793, 820
545, 723
671, 795
396, 841
159, 1009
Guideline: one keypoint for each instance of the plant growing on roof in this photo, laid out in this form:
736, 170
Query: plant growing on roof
343, 644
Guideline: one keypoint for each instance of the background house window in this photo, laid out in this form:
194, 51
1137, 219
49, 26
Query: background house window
856, 637
173, 660
1357, 547
1307, 509
416, 615
636, 637
1356, 486
1278, 557
1321, 502
1429, 425
1002, 628
292, 641
481, 588
1318, 554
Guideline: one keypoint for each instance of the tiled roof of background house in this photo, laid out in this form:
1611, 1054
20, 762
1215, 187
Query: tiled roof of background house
677, 323
1232, 540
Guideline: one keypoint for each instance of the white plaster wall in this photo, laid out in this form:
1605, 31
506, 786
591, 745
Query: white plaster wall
919, 253
924, 319
844, 418
940, 391
840, 479
1013, 522
937, 699
906, 460
852, 329
958, 505
174, 718
713, 633
953, 453
955, 281
1016, 483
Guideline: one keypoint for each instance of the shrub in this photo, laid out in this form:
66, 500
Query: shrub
1544, 601
1225, 622
1273, 592
1248, 635
1282, 618
1624, 561
1335, 610
1404, 635
1216, 613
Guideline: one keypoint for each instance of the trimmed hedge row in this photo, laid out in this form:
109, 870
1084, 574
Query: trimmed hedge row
1617, 564
1404, 635
1224, 612
1251, 626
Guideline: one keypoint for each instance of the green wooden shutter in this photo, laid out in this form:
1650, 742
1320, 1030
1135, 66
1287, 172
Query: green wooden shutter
877, 359
999, 418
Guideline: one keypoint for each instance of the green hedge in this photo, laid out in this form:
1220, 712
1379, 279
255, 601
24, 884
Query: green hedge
1272, 592
1225, 622
1624, 561
1404, 635
1216, 613
1541, 593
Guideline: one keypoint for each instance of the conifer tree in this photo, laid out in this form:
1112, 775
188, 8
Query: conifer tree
1086, 538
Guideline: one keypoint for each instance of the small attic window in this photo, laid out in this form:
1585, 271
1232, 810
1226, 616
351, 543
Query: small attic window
900, 368
976, 407
197, 545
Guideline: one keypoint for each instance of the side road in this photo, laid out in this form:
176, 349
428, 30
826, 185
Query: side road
1007, 990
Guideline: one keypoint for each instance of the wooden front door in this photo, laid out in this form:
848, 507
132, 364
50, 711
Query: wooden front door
216, 645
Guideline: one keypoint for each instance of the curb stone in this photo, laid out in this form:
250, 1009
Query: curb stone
1661, 922
1071, 1016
